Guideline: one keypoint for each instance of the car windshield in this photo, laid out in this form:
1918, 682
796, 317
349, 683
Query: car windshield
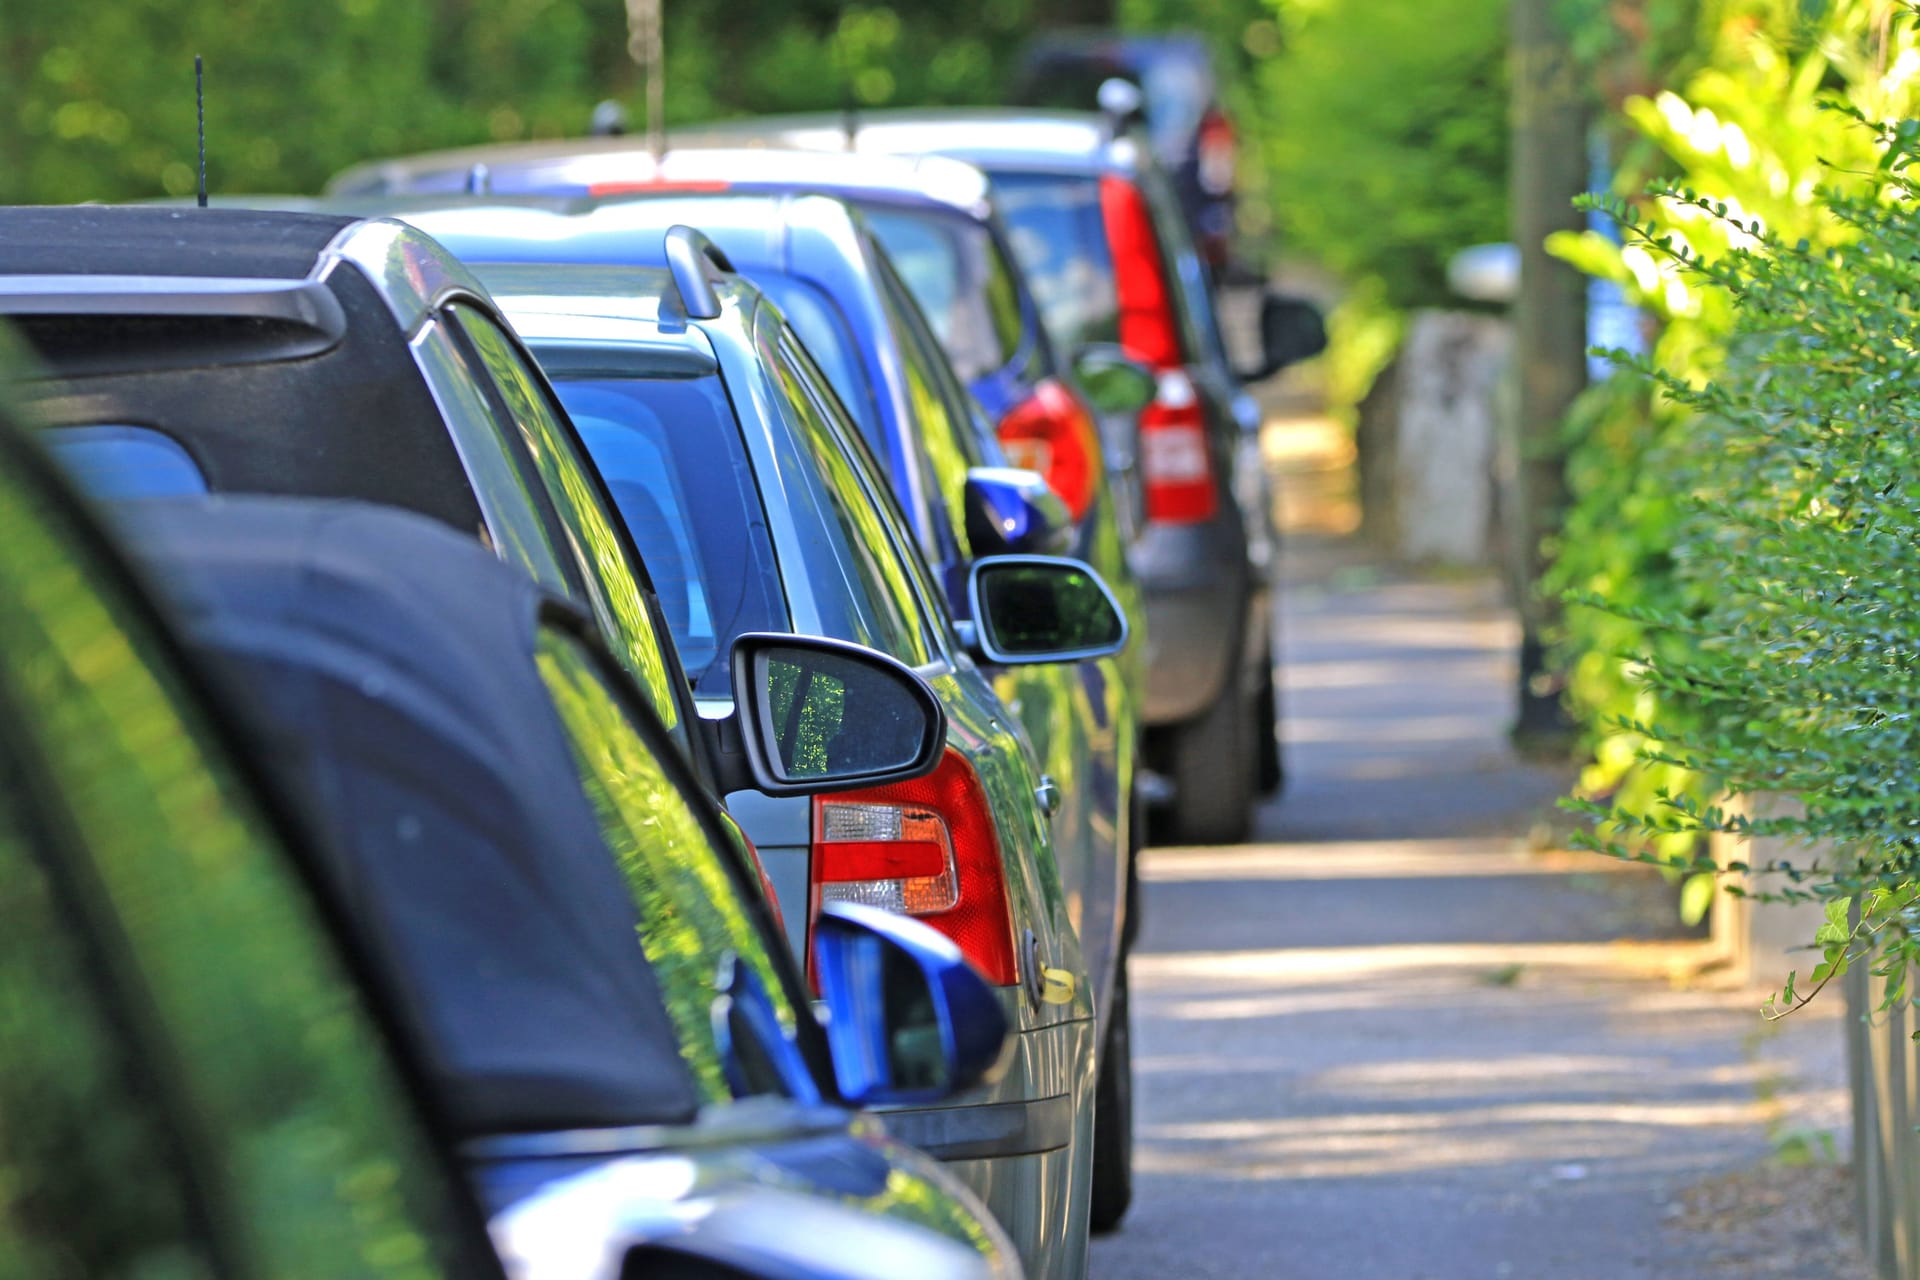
1060, 239
951, 267
669, 449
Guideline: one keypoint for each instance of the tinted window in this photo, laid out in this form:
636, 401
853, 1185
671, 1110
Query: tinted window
588, 526
942, 420
864, 562
126, 462
694, 902
955, 272
305, 1138
669, 450
823, 329
1060, 239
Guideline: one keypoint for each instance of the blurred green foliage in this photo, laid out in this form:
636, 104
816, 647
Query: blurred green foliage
96, 100
1388, 141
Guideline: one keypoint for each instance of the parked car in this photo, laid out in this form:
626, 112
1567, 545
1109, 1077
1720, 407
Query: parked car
1098, 233
231, 351
196, 1072
721, 440
938, 225
1177, 93
818, 260
502, 819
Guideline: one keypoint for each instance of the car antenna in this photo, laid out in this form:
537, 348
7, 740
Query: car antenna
200, 117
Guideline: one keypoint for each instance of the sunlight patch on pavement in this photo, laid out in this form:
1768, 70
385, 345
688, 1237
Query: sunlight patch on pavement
1148, 970
1388, 730
1373, 673
1558, 1140
1442, 858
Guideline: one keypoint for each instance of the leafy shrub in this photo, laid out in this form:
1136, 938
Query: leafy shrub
1745, 120
1786, 630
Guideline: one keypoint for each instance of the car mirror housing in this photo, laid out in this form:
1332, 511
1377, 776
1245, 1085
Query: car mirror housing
813, 715
1010, 511
1036, 609
1291, 330
1114, 381
908, 1019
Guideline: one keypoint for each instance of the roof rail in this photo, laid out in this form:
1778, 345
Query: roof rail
689, 255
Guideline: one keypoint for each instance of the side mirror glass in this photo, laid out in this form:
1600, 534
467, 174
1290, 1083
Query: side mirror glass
1291, 330
1031, 609
1114, 381
1010, 511
823, 715
909, 1020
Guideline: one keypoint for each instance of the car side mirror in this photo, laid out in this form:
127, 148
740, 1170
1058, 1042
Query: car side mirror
908, 1019
813, 715
1009, 511
1114, 381
1034, 609
1291, 330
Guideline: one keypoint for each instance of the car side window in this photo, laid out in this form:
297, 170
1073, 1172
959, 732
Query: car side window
591, 528
883, 581
941, 415
252, 1038
693, 896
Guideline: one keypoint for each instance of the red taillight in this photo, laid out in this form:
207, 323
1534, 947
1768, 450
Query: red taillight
1051, 432
1147, 328
1176, 458
1216, 154
925, 848
649, 187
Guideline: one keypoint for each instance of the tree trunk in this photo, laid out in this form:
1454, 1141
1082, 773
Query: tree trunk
1549, 321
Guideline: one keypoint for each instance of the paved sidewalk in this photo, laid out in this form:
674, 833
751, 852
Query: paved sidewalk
1390, 1041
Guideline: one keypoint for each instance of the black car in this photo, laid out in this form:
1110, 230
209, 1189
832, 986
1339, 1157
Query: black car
578, 952
188, 351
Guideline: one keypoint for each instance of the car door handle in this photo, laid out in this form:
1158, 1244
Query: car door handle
1047, 795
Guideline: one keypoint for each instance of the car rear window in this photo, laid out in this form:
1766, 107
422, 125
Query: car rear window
114, 462
669, 449
1060, 238
957, 275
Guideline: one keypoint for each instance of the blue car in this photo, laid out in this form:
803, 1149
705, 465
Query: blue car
606, 1016
760, 508
937, 220
819, 260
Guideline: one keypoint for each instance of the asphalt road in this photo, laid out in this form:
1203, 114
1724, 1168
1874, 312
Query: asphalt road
1390, 1041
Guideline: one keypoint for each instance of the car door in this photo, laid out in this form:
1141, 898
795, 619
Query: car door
191, 1082
745, 1031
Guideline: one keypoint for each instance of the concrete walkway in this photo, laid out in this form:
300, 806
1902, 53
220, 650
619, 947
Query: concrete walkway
1392, 1041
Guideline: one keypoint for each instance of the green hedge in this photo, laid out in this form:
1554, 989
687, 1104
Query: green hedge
1748, 498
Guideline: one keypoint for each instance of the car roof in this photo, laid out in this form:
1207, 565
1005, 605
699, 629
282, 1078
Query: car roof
389, 668
984, 137
608, 166
153, 240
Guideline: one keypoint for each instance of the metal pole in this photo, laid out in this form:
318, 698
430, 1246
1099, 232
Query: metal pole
1550, 336
646, 45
